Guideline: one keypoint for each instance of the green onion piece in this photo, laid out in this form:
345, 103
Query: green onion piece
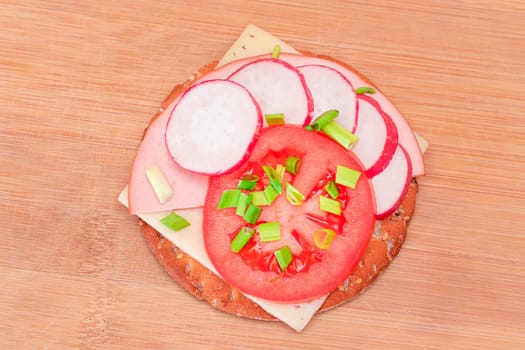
339, 134
244, 200
276, 51
174, 222
365, 90
274, 178
284, 257
331, 189
271, 194
248, 182
252, 214
293, 195
274, 119
241, 238
323, 238
280, 170
259, 199
229, 199
329, 205
269, 231
346, 176
323, 119
293, 164
159, 183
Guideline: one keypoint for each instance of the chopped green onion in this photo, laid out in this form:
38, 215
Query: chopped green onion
323, 238
159, 183
329, 205
274, 119
271, 194
365, 90
293, 164
276, 51
284, 257
259, 199
241, 238
269, 231
331, 189
322, 120
274, 178
252, 214
293, 195
270, 172
346, 176
339, 134
174, 222
248, 182
280, 170
244, 200
229, 199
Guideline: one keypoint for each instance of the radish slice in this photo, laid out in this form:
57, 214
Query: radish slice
278, 87
331, 90
377, 136
406, 136
213, 127
390, 185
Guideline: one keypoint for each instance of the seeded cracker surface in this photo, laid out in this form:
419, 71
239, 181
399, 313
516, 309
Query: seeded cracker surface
387, 239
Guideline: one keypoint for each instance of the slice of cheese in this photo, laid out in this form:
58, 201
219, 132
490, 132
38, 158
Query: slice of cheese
191, 241
423, 144
254, 42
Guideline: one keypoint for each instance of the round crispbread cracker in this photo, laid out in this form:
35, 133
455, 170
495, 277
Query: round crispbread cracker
387, 239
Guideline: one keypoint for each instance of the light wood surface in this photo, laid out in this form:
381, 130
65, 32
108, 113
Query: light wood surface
79, 82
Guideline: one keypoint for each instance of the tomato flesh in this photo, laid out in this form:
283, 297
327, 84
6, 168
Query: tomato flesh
313, 272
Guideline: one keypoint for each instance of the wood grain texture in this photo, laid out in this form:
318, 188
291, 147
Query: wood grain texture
79, 82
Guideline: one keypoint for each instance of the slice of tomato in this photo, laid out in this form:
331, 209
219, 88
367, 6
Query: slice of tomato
313, 271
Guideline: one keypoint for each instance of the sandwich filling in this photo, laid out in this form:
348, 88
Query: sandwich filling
272, 170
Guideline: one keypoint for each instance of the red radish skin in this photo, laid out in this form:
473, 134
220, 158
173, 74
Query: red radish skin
391, 185
377, 135
213, 128
331, 90
317, 153
278, 87
406, 136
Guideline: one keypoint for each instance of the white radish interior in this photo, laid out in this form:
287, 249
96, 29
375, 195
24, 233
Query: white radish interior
372, 132
278, 87
212, 128
378, 137
331, 90
391, 184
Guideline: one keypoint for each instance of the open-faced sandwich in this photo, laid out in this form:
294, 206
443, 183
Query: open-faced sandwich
275, 184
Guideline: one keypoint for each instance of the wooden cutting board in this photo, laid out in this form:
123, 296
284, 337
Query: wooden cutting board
79, 82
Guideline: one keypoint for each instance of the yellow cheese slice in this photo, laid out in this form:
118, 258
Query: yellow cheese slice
254, 42
190, 240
